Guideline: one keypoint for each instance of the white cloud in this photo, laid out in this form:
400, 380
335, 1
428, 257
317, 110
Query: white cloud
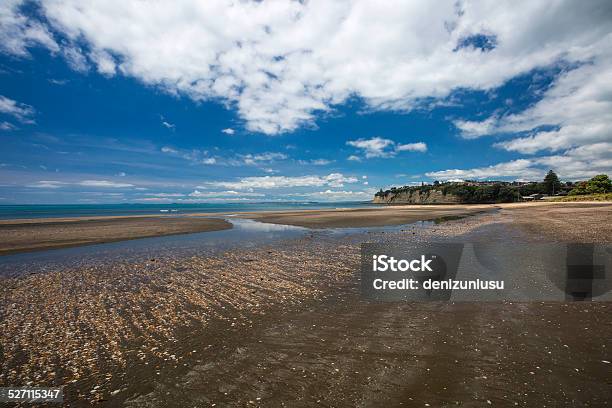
274, 182
339, 195
574, 164
474, 129
17, 32
47, 184
353, 158
228, 131
19, 111
316, 162
266, 157
104, 183
379, 147
224, 194
104, 62
573, 116
85, 183
412, 147
279, 63
59, 82
75, 58
269, 170
166, 195
321, 162
167, 149
578, 105
374, 147
516, 168
7, 126
576, 109
203, 157
168, 125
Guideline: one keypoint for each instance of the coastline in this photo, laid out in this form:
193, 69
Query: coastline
36, 234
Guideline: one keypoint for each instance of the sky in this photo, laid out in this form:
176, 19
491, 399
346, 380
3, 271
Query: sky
188, 101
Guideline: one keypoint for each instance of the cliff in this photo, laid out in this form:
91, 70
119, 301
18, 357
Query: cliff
416, 196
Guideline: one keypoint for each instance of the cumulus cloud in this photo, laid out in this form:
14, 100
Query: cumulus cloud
379, 147
518, 168
475, 129
104, 62
279, 63
75, 58
374, 147
17, 32
574, 164
573, 116
228, 131
578, 107
575, 110
274, 182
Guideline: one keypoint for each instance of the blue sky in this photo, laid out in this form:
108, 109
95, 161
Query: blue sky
298, 101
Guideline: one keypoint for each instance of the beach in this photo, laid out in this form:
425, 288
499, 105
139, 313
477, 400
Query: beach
284, 324
48, 233
22, 235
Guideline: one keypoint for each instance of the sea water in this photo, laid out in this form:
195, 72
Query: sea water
89, 210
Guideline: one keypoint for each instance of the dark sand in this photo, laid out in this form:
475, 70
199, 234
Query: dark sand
286, 326
31, 235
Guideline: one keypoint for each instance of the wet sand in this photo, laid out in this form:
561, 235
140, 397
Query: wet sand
40, 234
32, 235
24, 235
285, 325
366, 217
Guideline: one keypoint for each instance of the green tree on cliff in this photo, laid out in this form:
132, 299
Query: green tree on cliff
597, 185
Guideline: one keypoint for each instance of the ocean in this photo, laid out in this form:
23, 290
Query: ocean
81, 210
